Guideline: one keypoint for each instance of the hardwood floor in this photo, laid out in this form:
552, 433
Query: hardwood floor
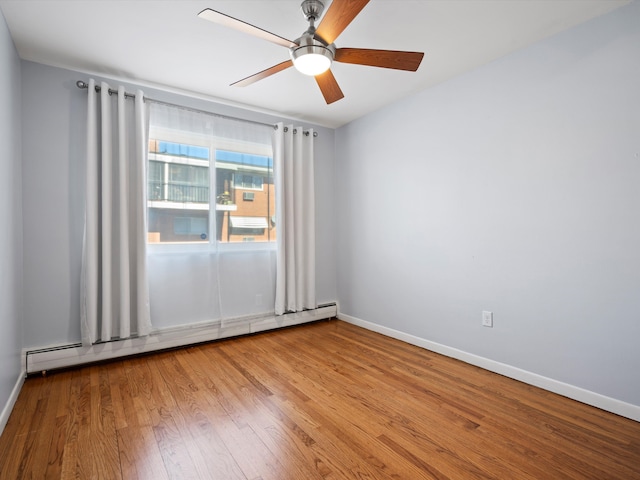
324, 400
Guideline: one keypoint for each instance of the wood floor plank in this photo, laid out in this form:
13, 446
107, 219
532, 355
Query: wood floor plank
442, 449
140, 456
336, 413
195, 425
47, 430
423, 430
326, 400
327, 447
594, 468
12, 449
31, 461
250, 453
56, 444
181, 457
70, 468
282, 436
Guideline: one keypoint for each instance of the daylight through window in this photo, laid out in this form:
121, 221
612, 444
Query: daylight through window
201, 190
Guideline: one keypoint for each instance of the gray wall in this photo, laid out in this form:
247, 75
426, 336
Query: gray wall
514, 189
54, 114
10, 217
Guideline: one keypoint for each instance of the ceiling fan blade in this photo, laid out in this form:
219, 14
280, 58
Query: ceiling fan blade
263, 74
339, 15
227, 21
329, 87
395, 59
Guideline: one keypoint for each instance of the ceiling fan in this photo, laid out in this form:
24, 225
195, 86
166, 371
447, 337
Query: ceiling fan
313, 53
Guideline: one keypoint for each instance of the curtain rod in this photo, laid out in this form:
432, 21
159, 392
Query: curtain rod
82, 84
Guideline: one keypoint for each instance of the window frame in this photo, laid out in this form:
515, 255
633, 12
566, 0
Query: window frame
212, 143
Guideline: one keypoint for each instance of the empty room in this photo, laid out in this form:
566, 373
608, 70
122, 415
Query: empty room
320, 239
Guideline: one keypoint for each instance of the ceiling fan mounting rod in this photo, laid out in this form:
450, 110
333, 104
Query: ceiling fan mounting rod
312, 9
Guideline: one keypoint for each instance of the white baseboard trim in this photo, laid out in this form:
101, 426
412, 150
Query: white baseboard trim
11, 401
63, 356
609, 404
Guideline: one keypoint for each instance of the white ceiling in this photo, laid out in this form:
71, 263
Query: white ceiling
163, 43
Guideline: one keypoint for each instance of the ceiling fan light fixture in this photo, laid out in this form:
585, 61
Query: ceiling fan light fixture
312, 59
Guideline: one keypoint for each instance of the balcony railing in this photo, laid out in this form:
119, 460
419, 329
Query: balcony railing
180, 193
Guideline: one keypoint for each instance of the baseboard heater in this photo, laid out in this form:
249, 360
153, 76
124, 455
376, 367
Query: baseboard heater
64, 356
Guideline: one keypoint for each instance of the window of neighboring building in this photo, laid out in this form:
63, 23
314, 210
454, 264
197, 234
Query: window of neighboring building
190, 226
241, 180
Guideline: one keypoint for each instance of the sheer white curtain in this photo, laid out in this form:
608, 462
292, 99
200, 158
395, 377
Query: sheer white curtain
114, 295
295, 206
210, 279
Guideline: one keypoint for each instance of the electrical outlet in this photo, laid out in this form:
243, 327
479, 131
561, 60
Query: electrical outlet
487, 319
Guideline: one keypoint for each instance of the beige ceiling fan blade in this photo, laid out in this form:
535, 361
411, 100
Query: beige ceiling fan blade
263, 74
231, 22
329, 87
398, 60
338, 17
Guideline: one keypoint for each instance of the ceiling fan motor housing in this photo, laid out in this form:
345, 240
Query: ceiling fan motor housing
310, 48
312, 55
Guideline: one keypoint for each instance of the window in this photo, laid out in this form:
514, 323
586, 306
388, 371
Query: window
238, 172
247, 181
202, 190
210, 253
190, 226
